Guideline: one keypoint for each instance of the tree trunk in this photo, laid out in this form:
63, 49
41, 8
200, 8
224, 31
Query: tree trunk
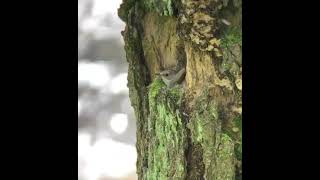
192, 130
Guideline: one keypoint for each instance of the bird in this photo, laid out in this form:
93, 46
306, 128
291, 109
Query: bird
171, 77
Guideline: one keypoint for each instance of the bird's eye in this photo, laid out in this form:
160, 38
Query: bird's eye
166, 74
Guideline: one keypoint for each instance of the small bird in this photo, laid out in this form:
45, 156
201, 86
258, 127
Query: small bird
172, 77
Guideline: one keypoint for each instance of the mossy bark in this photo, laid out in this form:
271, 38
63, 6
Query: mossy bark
193, 130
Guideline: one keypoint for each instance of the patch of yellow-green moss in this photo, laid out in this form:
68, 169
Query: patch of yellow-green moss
167, 133
238, 147
231, 37
238, 136
217, 147
234, 131
231, 45
231, 64
225, 159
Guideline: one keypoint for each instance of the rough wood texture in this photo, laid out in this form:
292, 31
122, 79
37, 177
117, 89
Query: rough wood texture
191, 131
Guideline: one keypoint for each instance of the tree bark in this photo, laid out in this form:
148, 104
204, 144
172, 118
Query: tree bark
193, 130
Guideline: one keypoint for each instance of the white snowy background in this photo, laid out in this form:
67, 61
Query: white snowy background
106, 124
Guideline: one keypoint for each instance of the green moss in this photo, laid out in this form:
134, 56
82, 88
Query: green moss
231, 37
203, 118
231, 44
238, 147
217, 147
167, 132
236, 124
225, 159
163, 7
236, 136
154, 90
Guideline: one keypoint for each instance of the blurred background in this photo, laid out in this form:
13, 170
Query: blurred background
106, 124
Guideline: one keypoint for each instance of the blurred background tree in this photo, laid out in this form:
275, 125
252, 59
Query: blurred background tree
106, 124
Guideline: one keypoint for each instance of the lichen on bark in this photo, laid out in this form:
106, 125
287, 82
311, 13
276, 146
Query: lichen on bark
166, 129
199, 24
206, 131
